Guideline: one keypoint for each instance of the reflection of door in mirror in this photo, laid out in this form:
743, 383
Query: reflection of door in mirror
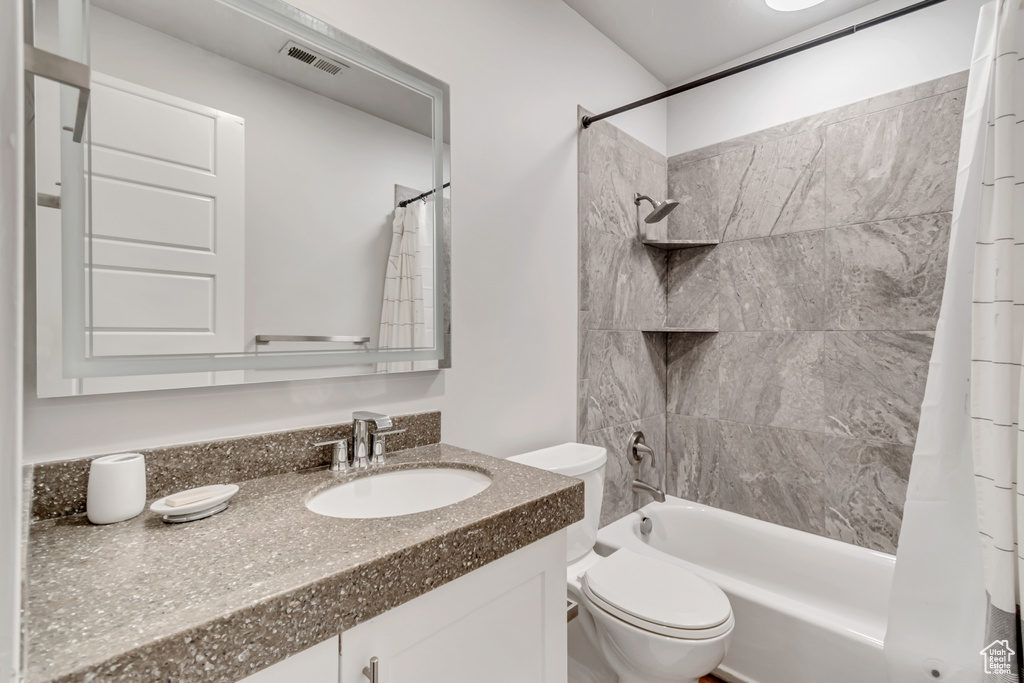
167, 241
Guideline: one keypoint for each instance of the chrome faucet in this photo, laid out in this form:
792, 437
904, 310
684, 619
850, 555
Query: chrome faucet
644, 487
361, 435
369, 449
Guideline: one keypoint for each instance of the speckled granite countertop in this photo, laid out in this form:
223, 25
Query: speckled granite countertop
221, 598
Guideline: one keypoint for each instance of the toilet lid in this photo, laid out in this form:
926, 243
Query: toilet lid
646, 592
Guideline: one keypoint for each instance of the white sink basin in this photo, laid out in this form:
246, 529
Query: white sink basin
401, 492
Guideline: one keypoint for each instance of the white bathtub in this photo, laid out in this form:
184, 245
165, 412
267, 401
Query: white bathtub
808, 609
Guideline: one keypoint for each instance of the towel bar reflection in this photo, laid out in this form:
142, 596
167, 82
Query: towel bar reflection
267, 338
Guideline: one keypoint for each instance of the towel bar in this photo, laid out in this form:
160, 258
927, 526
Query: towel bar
267, 338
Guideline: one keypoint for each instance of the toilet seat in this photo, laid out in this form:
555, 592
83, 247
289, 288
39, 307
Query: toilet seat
658, 597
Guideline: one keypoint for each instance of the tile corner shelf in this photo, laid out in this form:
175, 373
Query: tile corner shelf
681, 329
672, 245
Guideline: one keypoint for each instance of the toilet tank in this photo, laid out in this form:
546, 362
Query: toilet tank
583, 462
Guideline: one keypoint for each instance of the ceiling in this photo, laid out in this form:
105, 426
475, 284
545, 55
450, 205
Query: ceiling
678, 39
224, 31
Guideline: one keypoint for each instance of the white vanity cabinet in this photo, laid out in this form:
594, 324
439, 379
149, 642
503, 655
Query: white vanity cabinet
503, 623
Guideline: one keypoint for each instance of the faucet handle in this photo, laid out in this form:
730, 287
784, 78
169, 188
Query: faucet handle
637, 448
329, 442
378, 445
339, 454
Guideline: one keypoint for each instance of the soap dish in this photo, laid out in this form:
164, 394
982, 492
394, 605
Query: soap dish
216, 501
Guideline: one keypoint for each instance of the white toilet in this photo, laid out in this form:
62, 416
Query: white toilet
652, 621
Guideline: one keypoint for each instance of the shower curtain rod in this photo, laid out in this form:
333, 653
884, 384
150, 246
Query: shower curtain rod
406, 202
732, 71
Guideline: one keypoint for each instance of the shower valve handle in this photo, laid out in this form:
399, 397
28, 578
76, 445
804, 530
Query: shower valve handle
637, 448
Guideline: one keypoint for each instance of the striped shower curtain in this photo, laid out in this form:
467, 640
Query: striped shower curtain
401, 320
998, 349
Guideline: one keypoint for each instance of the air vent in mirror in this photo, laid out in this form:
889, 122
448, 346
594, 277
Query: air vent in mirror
313, 58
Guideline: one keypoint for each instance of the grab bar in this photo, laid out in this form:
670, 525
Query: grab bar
267, 338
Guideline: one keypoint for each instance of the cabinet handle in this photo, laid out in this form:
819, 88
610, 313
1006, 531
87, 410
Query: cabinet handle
371, 671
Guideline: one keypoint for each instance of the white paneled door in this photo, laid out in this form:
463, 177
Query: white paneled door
167, 245
168, 223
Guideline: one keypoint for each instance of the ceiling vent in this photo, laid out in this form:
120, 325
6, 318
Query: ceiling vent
313, 58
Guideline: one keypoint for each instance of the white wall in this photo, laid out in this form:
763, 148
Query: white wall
11, 188
919, 47
517, 71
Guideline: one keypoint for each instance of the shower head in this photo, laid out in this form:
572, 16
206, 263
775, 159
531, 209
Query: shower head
661, 209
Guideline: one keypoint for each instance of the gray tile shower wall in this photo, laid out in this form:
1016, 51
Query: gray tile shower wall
622, 290
803, 409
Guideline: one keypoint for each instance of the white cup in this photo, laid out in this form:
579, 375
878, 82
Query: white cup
117, 488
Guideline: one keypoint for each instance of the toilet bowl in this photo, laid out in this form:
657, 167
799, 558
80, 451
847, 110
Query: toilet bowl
652, 621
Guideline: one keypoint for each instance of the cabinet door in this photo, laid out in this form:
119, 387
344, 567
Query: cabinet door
318, 664
503, 623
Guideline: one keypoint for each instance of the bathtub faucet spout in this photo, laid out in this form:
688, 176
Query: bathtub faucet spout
644, 487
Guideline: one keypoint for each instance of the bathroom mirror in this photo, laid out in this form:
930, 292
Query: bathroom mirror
238, 208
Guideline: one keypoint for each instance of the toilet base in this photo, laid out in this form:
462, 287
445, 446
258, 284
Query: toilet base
586, 663
630, 678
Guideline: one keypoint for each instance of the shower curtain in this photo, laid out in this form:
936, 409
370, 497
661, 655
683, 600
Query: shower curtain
956, 585
998, 342
401, 319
